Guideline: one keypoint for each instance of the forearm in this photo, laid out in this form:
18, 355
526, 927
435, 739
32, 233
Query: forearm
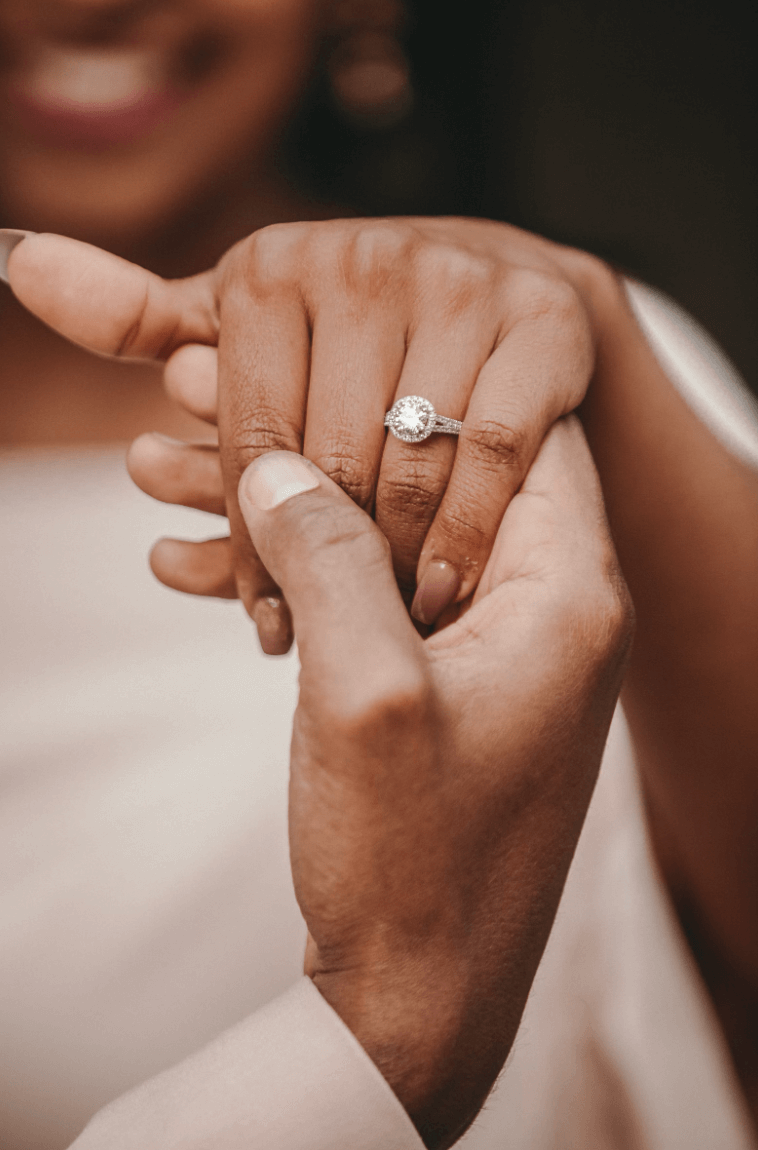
684, 511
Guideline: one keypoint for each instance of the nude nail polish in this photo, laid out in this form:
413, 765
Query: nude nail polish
437, 590
10, 238
271, 616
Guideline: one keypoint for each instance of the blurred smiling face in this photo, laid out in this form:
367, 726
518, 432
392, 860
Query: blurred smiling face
115, 116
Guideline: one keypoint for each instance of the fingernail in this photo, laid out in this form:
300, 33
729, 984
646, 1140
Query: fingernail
274, 622
274, 478
436, 591
10, 238
169, 439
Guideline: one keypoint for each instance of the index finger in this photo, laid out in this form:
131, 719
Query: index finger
105, 303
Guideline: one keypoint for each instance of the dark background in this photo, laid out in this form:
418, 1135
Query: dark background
628, 129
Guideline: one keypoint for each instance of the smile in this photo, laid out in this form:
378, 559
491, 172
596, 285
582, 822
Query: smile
93, 96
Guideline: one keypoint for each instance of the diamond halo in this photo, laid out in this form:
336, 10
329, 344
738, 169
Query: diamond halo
411, 419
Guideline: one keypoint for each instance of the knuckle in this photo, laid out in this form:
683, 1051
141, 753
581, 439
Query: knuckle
144, 337
619, 608
458, 276
457, 266
496, 446
562, 324
351, 474
543, 295
462, 532
608, 611
415, 488
273, 254
255, 436
381, 711
592, 273
133, 335
379, 248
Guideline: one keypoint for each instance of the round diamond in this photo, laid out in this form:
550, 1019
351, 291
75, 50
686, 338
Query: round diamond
412, 419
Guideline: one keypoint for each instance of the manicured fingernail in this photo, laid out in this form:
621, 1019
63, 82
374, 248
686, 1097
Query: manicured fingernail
436, 591
274, 622
10, 238
276, 477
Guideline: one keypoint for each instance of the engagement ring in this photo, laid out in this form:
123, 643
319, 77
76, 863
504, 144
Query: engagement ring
413, 419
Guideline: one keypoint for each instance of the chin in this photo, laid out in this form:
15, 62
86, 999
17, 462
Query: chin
115, 202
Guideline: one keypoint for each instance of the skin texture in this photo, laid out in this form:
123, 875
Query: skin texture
683, 513
437, 787
451, 308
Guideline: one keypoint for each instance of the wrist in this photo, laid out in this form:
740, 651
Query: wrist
424, 1026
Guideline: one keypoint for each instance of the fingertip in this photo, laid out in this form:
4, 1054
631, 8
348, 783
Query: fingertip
104, 303
10, 238
437, 590
141, 455
273, 620
191, 379
196, 568
52, 275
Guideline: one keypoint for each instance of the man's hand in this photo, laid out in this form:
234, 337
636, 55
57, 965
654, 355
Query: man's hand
438, 787
320, 327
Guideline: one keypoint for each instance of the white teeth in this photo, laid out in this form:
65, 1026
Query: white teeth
93, 78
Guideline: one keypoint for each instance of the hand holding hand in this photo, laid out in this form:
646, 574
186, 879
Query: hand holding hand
320, 327
438, 787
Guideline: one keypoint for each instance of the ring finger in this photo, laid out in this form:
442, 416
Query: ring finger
441, 366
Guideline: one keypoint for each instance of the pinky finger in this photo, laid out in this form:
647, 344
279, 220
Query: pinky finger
191, 378
188, 474
203, 568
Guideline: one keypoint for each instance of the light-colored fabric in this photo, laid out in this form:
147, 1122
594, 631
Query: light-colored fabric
699, 369
146, 902
292, 1077
619, 1048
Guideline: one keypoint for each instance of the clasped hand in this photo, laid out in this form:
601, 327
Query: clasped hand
438, 786
303, 337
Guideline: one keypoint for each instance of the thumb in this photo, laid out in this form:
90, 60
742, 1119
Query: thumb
335, 569
105, 303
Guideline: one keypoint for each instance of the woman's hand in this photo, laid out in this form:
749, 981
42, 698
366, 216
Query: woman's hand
438, 787
320, 327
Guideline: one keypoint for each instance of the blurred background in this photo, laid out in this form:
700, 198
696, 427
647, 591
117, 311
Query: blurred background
625, 129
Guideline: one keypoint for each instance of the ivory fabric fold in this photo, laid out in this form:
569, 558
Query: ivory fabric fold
291, 1077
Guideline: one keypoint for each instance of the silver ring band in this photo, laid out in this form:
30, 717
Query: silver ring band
413, 419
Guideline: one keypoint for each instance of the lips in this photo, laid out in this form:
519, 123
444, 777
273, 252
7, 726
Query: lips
93, 97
